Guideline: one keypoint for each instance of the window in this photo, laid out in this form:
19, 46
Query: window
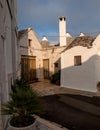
30, 43
56, 65
77, 60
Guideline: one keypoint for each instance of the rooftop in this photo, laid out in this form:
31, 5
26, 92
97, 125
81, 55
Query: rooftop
85, 41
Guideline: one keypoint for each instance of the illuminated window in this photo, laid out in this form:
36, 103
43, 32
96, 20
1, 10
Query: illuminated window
77, 60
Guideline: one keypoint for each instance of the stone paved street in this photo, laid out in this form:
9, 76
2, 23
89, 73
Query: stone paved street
44, 88
69, 107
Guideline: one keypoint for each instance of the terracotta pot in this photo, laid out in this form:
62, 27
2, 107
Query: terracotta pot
30, 127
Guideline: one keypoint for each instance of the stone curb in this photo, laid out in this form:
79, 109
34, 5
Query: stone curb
43, 124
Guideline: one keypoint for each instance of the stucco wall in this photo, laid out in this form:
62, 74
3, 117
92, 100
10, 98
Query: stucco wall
51, 53
34, 50
54, 55
36, 43
85, 76
8, 48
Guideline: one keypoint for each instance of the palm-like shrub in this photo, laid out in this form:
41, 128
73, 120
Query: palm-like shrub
22, 104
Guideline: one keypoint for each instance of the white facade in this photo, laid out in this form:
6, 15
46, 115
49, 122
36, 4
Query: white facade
41, 52
62, 31
33, 50
8, 49
86, 75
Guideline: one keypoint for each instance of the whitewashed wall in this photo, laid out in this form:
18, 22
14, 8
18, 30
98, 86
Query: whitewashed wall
54, 55
51, 53
34, 50
8, 49
86, 76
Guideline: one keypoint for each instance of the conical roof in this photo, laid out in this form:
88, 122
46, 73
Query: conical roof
81, 34
44, 38
68, 35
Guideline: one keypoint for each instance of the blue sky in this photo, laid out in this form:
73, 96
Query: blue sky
42, 16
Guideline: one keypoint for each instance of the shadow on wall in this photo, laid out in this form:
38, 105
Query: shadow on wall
57, 65
82, 77
33, 75
23, 44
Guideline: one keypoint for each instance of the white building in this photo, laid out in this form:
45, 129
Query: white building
80, 60
30, 51
8, 50
42, 58
80, 64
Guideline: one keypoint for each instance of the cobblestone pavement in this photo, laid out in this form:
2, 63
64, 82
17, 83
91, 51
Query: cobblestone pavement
44, 88
85, 112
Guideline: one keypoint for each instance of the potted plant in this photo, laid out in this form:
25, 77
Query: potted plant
22, 104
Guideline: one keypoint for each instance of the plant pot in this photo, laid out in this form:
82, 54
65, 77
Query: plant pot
30, 127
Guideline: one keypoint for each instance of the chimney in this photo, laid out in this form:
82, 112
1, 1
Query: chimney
62, 31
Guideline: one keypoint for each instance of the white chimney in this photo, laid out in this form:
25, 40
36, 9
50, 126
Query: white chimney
62, 31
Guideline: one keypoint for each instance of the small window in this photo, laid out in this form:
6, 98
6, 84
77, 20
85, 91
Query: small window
77, 60
30, 43
56, 65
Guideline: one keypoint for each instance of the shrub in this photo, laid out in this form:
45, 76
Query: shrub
22, 104
20, 83
55, 78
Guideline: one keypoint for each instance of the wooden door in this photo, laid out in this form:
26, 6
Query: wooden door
46, 68
28, 68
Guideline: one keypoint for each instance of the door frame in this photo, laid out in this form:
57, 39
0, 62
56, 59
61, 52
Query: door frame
28, 72
46, 73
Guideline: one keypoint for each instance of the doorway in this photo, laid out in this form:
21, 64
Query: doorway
46, 68
28, 68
